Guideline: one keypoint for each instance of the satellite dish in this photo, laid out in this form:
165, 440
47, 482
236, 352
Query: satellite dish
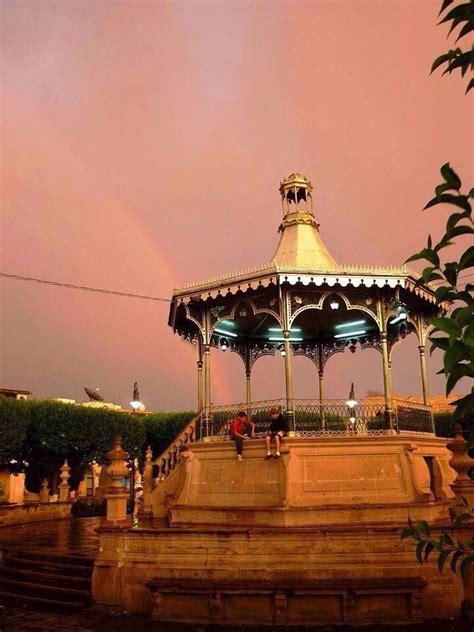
93, 394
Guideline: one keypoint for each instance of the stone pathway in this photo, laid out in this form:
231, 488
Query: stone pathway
23, 620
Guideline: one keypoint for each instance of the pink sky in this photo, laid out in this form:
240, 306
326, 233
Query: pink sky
142, 147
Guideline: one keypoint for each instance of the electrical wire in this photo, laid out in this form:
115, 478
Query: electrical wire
142, 297
85, 288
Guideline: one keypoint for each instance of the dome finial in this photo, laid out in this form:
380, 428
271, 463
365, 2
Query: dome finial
297, 190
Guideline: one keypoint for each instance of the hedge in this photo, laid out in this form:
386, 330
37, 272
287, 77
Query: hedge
162, 428
37, 436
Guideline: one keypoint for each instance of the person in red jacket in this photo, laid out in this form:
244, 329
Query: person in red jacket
241, 429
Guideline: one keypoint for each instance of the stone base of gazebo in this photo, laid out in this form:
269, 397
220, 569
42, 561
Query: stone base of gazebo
313, 537
317, 481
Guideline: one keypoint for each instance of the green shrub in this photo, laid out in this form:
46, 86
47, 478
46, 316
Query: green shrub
14, 421
40, 435
161, 428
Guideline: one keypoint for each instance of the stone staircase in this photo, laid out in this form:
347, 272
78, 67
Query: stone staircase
44, 581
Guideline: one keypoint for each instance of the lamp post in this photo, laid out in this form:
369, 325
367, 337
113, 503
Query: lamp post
351, 403
136, 404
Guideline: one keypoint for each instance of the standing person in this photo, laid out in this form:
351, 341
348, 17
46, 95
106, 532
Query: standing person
241, 429
276, 432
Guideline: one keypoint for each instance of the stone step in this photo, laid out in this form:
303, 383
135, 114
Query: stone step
51, 579
44, 591
17, 560
69, 559
40, 603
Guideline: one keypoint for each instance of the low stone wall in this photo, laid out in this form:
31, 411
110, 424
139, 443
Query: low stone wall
11, 515
241, 575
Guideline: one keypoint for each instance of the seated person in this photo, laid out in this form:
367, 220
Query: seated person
276, 432
241, 429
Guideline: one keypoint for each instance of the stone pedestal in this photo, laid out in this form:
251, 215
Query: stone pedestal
463, 485
64, 484
44, 492
116, 494
148, 482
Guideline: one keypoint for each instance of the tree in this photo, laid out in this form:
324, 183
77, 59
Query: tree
456, 329
457, 59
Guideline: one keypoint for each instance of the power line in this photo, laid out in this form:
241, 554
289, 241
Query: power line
85, 288
143, 297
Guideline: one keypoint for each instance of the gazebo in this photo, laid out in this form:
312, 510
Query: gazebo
305, 303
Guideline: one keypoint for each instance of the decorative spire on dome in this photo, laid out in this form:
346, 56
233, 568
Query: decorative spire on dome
300, 244
296, 189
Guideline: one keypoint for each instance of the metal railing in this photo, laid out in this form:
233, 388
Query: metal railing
314, 417
258, 412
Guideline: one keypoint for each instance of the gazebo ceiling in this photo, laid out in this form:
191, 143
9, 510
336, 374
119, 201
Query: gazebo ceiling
310, 326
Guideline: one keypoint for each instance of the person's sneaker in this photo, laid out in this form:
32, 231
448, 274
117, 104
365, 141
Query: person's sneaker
269, 456
239, 457
277, 455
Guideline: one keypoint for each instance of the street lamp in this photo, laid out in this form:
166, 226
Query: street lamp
352, 403
136, 404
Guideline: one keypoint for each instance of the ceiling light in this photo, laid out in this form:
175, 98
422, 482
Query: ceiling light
351, 334
218, 330
279, 330
351, 323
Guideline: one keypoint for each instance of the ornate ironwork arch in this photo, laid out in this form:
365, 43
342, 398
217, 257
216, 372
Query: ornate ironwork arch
348, 304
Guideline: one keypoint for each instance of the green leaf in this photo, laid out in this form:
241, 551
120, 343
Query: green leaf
465, 59
419, 552
455, 218
423, 527
463, 315
439, 61
470, 86
444, 293
464, 406
418, 255
467, 28
453, 355
464, 296
468, 335
446, 324
406, 533
445, 4
467, 259
439, 343
460, 11
451, 272
454, 560
450, 176
456, 373
461, 230
448, 198
428, 549
443, 556
465, 564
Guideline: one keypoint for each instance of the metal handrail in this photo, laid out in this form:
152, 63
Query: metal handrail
330, 416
